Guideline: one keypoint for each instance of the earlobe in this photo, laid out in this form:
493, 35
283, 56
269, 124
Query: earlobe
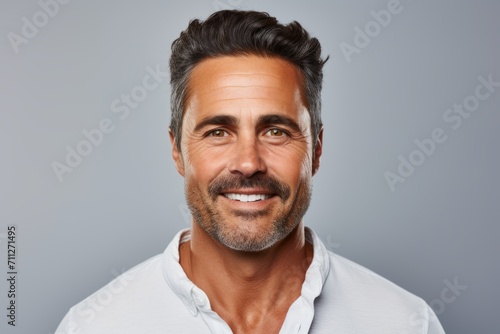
176, 155
318, 150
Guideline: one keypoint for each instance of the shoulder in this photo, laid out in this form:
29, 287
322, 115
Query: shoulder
141, 300
361, 298
117, 305
365, 285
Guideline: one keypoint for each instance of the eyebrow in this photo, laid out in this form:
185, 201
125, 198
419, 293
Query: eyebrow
262, 121
216, 120
279, 120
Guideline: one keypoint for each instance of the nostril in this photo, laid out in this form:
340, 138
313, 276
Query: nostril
247, 160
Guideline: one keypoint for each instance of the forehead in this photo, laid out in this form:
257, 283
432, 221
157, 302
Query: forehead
239, 82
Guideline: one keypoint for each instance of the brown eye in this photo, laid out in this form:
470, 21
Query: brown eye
276, 132
218, 133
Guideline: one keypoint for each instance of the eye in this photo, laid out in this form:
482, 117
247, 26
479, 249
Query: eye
276, 132
217, 133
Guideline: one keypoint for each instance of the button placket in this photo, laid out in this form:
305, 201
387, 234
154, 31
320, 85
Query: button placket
199, 298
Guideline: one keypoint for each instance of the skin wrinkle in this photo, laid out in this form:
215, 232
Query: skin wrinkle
266, 121
297, 75
259, 98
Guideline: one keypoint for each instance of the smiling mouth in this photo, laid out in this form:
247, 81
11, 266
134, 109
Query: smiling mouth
247, 198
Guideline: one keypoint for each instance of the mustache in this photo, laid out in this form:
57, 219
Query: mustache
268, 183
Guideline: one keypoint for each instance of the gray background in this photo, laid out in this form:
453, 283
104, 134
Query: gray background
125, 201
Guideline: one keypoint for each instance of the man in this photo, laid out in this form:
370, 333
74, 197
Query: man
246, 136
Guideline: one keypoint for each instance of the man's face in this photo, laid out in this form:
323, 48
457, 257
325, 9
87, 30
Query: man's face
246, 150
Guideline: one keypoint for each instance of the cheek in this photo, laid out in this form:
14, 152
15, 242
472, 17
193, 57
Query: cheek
292, 163
202, 164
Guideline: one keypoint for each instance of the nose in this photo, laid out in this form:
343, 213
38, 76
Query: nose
247, 157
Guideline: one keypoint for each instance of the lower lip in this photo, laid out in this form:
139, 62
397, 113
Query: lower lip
249, 205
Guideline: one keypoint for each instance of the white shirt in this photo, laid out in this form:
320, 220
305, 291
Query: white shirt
338, 296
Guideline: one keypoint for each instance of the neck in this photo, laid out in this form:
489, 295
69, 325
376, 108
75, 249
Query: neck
246, 286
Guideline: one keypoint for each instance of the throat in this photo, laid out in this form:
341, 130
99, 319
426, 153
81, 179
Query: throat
251, 291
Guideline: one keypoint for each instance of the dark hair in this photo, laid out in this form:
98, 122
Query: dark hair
233, 32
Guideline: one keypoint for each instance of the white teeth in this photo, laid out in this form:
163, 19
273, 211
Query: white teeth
247, 198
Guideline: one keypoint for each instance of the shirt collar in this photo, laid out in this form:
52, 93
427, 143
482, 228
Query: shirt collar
318, 269
175, 276
195, 298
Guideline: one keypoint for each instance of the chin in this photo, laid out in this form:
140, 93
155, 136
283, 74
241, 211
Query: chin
250, 236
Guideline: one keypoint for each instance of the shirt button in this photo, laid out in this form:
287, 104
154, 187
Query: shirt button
198, 297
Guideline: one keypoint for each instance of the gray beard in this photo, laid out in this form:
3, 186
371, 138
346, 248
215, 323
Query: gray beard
213, 224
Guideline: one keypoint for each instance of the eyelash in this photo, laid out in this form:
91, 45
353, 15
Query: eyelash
283, 132
211, 133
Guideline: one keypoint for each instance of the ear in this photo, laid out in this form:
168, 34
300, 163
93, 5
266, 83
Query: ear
176, 155
318, 150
